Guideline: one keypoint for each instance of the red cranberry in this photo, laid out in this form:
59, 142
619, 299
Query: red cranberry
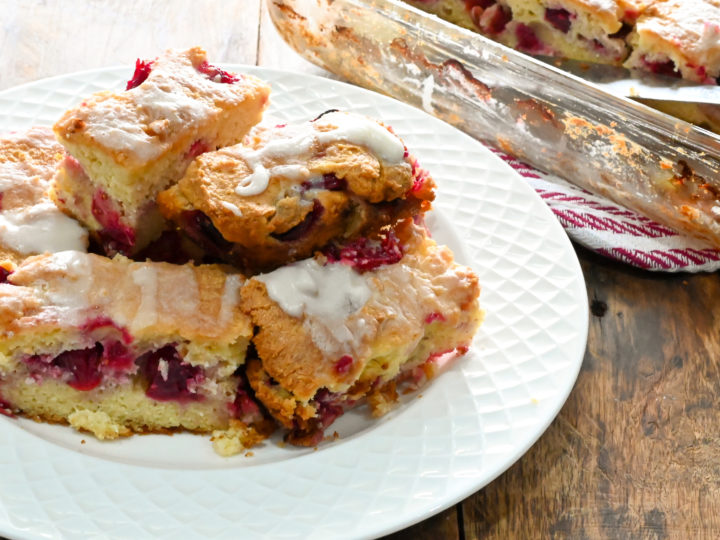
4, 273
142, 71
197, 148
114, 236
244, 407
173, 379
302, 229
343, 365
329, 182
434, 316
6, 409
484, 4
527, 40
559, 18
216, 74
495, 19
363, 254
117, 356
102, 322
661, 68
83, 366
73, 166
420, 176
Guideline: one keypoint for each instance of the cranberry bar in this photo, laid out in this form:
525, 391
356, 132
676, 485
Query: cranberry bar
292, 188
114, 347
679, 38
355, 323
30, 223
124, 148
590, 30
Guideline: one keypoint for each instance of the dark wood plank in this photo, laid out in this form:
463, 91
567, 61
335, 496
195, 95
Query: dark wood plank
635, 452
444, 525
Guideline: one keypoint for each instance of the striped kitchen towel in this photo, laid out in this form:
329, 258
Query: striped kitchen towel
614, 231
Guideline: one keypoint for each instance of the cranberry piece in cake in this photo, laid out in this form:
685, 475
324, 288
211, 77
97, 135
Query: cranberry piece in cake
559, 18
129, 146
142, 71
168, 377
217, 74
289, 190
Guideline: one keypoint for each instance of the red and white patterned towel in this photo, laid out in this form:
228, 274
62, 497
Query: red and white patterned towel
615, 231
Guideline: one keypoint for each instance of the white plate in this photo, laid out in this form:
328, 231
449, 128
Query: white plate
464, 429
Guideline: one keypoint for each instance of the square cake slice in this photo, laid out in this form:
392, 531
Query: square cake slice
125, 147
290, 189
30, 223
114, 347
354, 327
679, 38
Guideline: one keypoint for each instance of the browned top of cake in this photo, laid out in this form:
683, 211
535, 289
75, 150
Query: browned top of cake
607, 13
335, 311
152, 300
181, 92
282, 177
691, 27
29, 221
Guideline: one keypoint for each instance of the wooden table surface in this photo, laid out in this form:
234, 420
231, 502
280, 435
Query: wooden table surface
635, 451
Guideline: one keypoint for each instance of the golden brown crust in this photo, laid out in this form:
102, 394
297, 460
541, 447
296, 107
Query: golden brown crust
294, 361
151, 299
290, 219
685, 31
28, 161
394, 325
136, 126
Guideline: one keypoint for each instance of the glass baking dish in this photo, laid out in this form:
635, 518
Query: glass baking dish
646, 160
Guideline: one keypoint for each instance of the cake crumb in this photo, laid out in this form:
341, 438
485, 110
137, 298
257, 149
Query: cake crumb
236, 438
98, 423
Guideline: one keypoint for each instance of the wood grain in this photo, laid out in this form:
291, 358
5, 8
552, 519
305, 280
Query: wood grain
42, 38
635, 452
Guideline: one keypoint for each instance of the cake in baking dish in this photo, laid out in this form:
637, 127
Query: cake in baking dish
353, 325
679, 37
292, 188
125, 147
669, 37
114, 347
30, 223
590, 30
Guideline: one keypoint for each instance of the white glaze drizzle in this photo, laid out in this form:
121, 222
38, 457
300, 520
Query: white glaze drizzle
182, 299
229, 297
326, 296
146, 315
41, 228
176, 96
233, 208
293, 141
74, 290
